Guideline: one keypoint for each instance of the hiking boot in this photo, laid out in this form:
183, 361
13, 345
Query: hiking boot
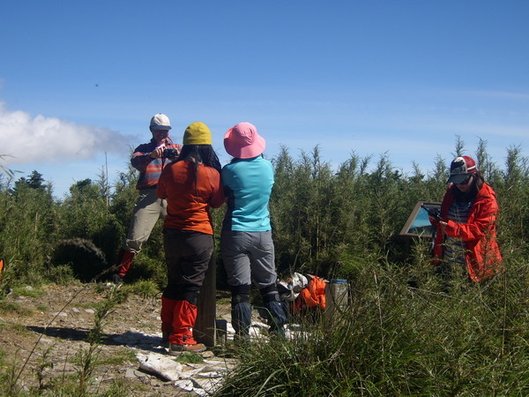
175, 350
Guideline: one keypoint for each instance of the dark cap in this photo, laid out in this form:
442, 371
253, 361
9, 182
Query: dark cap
461, 168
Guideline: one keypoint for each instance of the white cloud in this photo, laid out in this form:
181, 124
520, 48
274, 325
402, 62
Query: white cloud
28, 139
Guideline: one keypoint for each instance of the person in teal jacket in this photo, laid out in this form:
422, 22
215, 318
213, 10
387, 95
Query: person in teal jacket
246, 240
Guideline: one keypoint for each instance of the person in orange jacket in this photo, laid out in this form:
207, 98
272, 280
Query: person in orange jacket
466, 228
191, 185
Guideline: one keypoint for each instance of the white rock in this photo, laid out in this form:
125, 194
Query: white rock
160, 365
130, 374
186, 385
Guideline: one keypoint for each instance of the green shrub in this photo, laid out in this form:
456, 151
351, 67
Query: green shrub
143, 288
148, 268
60, 274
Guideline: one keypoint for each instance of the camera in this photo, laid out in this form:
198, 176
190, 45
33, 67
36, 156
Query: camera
170, 153
433, 212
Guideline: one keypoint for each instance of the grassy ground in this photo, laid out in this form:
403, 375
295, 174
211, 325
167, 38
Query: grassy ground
49, 349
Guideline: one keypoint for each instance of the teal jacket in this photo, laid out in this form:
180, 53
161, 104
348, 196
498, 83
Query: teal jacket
247, 186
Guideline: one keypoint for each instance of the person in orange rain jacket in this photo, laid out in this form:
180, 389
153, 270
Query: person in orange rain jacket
191, 185
466, 228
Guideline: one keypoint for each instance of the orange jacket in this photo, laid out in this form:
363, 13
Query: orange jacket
483, 258
188, 205
313, 295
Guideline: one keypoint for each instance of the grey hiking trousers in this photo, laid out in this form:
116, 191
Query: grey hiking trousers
247, 257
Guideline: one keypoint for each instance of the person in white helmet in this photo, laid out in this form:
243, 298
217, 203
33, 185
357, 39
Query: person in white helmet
149, 159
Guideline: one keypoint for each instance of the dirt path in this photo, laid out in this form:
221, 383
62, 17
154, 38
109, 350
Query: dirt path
131, 329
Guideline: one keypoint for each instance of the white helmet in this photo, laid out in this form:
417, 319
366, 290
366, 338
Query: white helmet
160, 122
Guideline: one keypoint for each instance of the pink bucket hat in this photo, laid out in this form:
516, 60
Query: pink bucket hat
243, 142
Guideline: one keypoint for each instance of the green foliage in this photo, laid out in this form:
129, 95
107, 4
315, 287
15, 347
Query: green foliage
395, 339
513, 197
149, 268
86, 214
7, 376
29, 225
34, 181
189, 358
125, 196
27, 291
14, 307
143, 288
320, 216
123, 356
60, 274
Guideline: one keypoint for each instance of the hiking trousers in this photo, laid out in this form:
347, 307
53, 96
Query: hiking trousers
187, 256
247, 257
147, 211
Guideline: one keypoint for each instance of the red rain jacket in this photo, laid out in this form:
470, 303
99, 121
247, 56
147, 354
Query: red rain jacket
483, 258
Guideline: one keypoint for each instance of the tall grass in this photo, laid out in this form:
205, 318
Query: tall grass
395, 339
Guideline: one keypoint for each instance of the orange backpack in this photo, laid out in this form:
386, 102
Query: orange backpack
314, 294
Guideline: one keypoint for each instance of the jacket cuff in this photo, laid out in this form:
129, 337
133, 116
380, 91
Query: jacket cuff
451, 228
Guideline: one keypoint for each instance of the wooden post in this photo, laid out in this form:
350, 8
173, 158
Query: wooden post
204, 331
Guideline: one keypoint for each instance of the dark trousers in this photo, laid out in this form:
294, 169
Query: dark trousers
187, 256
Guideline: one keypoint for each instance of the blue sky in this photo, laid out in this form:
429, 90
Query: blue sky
80, 79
